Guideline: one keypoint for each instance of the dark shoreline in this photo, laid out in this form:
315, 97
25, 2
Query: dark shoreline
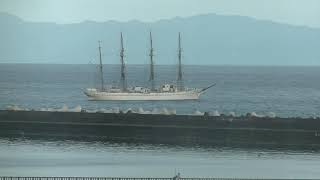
243, 131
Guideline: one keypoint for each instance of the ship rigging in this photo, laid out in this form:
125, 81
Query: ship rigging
164, 92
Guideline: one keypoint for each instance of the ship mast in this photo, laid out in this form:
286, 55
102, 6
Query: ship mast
101, 67
151, 78
179, 79
123, 73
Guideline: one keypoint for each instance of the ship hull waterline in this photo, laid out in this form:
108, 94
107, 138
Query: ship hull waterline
105, 96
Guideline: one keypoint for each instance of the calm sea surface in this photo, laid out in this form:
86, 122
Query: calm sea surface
22, 157
285, 91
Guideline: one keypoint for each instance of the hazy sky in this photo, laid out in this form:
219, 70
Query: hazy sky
297, 12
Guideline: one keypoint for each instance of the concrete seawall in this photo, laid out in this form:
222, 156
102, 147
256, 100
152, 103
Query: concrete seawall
170, 129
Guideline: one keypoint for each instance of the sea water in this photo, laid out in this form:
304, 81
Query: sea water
25, 157
285, 91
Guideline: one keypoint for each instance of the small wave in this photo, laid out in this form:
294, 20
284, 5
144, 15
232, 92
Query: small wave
254, 114
233, 114
198, 113
140, 110
271, 114
214, 113
16, 108
64, 108
77, 109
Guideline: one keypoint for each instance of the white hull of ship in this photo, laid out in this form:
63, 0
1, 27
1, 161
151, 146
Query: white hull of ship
143, 97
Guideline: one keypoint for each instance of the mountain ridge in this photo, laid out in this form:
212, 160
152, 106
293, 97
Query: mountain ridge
207, 39
160, 20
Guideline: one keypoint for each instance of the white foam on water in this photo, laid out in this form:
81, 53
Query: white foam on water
51, 110
214, 113
76, 109
90, 111
271, 114
102, 110
233, 114
164, 111
64, 108
198, 113
128, 110
155, 111
172, 111
140, 110
147, 112
109, 111
13, 108
16, 108
115, 110
254, 114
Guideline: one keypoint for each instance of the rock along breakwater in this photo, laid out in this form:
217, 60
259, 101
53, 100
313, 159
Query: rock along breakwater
204, 129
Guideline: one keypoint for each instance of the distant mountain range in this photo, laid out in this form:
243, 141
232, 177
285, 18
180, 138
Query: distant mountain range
206, 39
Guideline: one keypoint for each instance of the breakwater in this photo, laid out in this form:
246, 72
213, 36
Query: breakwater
158, 128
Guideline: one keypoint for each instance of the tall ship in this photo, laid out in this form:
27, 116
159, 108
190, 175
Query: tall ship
140, 93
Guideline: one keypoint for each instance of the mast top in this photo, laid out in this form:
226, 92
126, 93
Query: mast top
179, 41
151, 41
121, 49
151, 77
101, 67
180, 82
123, 78
121, 38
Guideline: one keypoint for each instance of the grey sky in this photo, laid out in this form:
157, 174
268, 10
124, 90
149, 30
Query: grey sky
297, 12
